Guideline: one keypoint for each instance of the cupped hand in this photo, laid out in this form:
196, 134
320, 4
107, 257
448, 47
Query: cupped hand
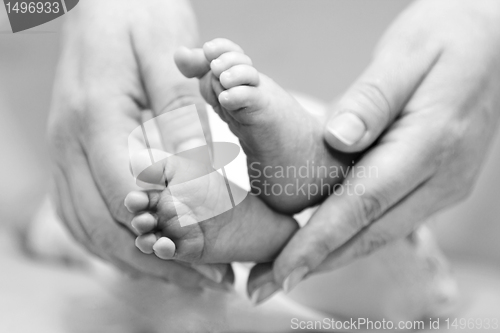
424, 111
116, 61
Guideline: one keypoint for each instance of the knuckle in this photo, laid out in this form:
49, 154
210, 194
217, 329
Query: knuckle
311, 254
369, 207
457, 178
321, 250
369, 93
450, 133
371, 243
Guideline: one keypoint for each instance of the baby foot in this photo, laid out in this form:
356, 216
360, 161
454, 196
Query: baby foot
248, 232
283, 142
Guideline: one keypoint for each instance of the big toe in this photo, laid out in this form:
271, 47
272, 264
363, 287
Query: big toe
216, 47
191, 62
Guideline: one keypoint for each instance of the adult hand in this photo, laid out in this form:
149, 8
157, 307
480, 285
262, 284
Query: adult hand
117, 60
426, 108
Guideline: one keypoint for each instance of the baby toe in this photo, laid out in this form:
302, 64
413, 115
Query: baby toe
136, 201
239, 75
145, 243
164, 248
228, 60
242, 97
218, 46
144, 223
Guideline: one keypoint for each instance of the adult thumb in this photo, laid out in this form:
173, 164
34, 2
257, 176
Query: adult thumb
377, 97
166, 27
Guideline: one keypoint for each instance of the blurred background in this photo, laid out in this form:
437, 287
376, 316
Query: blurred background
315, 47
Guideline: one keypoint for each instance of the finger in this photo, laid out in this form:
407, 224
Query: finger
65, 210
107, 141
213, 273
377, 97
164, 83
396, 224
219, 273
63, 204
397, 168
261, 285
229, 276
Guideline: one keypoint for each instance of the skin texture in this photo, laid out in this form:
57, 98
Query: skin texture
109, 71
433, 87
429, 103
253, 106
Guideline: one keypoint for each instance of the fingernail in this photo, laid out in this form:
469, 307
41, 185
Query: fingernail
294, 278
209, 272
264, 292
347, 127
